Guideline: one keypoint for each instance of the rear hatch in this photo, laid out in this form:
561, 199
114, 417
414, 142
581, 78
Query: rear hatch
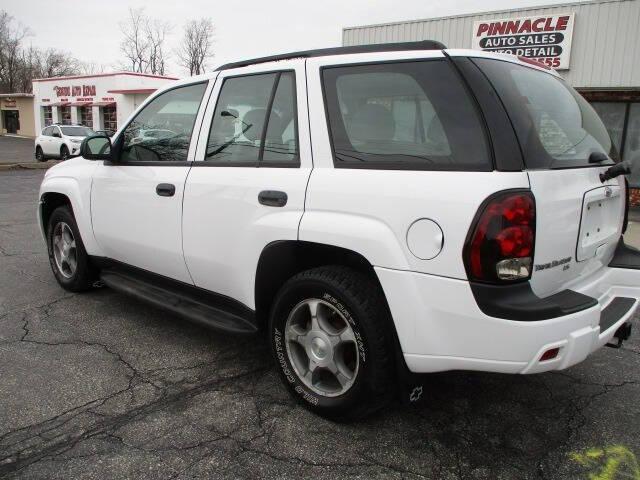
578, 218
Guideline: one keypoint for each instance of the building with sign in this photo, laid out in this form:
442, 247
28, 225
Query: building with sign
594, 45
16, 114
102, 102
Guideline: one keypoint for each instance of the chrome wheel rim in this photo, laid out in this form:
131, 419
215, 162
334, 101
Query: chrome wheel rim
65, 154
39, 154
64, 250
322, 348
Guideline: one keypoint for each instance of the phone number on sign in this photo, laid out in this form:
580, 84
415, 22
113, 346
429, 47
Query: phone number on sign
552, 62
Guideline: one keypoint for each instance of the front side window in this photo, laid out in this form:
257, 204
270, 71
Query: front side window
556, 126
405, 115
161, 132
255, 121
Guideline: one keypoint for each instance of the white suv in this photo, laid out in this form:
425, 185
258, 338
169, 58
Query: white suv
377, 211
60, 141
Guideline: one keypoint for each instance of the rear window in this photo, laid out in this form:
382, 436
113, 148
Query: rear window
556, 127
408, 115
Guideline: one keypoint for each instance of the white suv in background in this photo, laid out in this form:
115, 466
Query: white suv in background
60, 141
376, 211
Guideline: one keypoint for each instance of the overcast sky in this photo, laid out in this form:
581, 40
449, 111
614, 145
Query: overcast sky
88, 29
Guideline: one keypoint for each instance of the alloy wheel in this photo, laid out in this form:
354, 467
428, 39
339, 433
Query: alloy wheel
64, 250
321, 346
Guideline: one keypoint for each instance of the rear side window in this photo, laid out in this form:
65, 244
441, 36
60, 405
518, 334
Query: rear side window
408, 115
556, 127
254, 122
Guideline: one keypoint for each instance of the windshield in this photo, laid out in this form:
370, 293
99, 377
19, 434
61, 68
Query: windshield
556, 127
77, 131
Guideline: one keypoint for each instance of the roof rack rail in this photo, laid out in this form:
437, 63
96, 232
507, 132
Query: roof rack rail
323, 52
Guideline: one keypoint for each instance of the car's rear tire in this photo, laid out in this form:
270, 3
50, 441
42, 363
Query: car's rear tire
64, 153
338, 362
68, 258
40, 154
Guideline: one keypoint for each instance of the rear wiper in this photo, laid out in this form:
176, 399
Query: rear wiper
622, 168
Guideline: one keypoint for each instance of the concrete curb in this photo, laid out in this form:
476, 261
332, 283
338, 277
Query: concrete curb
26, 166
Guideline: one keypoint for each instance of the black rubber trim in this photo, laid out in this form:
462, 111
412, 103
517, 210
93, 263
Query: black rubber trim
518, 302
613, 312
323, 52
625, 256
198, 305
506, 149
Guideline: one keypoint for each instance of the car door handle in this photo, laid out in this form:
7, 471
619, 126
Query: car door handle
166, 189
272, 198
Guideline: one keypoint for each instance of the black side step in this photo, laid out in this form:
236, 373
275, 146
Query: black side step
196, 305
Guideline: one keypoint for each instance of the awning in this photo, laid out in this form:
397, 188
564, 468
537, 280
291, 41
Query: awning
102, 104
80, 104
59, 104
133, 91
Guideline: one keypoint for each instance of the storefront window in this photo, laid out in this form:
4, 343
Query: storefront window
109, 118
612, 115
65, 115
47, 116
86, 117
632, 144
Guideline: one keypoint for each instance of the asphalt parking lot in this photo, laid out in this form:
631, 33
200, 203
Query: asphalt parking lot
16, 150
99, 386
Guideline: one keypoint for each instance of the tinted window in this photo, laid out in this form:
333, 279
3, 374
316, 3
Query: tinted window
632, 144
612, 115
47, 131
556, 127
254, 120
281, 139
413, 115
162, 130
77, 131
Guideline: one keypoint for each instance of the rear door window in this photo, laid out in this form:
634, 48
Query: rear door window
406, 115
556, 126
254, 122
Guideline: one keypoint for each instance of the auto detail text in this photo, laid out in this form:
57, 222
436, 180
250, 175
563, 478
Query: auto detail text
546, 39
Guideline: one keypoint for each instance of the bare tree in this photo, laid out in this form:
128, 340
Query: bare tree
196, 47
90, 68
20, 64
11, 38
143, 43
135, 44
157, 32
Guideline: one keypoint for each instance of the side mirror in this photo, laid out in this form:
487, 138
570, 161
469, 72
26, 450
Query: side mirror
97, 147
56, 134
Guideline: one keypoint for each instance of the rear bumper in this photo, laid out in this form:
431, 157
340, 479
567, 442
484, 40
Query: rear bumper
441, 327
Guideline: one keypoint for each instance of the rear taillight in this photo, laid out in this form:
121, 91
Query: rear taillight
500, 244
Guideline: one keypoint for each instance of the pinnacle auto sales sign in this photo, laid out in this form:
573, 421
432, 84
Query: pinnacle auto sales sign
546, 38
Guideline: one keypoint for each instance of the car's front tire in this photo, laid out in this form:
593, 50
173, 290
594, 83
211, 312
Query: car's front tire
39, 154
64, 153
68, 258
330, 337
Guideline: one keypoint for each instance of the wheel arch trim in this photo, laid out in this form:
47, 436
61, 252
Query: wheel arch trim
79, 201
